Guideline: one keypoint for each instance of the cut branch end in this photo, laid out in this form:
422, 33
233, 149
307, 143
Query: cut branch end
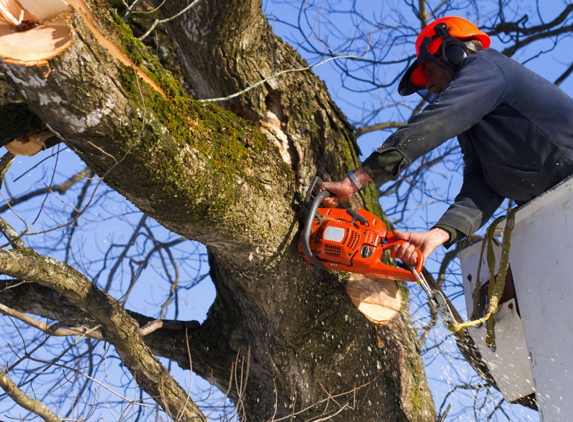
32, 32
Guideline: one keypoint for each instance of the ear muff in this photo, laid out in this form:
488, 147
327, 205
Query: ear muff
453, 50
455, 53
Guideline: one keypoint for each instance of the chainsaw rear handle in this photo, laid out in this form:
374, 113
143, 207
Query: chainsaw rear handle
395, 242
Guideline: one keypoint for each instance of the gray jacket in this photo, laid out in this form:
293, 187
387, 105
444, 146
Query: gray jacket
515, 130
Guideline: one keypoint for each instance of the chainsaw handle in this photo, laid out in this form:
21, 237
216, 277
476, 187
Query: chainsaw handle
308, 228
395, 242
356, 217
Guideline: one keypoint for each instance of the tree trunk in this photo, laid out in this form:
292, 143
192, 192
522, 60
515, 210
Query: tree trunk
228, 177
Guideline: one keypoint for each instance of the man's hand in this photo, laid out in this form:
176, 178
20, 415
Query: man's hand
425, 242
343, 190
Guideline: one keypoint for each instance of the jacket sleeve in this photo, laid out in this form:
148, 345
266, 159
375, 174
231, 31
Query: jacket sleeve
385, 166
477, 89
474, 205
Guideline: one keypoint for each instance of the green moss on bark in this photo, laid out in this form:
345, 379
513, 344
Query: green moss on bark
183, 133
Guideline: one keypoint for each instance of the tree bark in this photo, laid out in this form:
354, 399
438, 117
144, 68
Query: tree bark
227, 177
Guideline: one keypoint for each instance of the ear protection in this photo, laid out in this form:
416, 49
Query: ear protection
453, 51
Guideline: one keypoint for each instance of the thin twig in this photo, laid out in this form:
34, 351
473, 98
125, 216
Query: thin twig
275, 76
130, 9
60, 332
159, 21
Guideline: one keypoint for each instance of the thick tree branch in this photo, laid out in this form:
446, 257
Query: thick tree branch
119, 329
17, 121
209, 175
73, 321
26, 402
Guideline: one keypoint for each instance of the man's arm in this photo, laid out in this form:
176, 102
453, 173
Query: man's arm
476, 202
477, 89
473, 207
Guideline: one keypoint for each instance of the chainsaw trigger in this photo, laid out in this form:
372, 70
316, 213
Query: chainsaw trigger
395, 242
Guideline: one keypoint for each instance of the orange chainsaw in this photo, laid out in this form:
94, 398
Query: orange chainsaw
357, 241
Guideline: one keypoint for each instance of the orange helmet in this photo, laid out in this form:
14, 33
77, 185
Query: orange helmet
436, 39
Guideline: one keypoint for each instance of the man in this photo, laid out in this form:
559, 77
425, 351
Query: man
515, 130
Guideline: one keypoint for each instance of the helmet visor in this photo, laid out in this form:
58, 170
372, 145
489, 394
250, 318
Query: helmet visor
414, 78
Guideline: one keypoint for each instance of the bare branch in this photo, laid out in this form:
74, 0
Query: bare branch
120, 329
50, 330
380, 126
13, 237
26, 402
274, 76
5, 164
130, 8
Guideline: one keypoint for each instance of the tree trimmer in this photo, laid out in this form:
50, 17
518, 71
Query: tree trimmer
356, 241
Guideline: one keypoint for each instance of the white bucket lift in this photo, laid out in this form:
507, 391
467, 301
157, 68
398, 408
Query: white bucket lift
534, 348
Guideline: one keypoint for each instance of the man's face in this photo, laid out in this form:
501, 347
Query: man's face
437, 78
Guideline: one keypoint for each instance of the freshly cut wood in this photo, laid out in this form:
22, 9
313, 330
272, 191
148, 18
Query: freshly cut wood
12, 13
30, 144
42, 10
35, 31
378, 299
32, 31
35, 46
19, 12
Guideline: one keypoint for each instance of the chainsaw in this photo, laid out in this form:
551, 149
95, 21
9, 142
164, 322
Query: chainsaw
357, 241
